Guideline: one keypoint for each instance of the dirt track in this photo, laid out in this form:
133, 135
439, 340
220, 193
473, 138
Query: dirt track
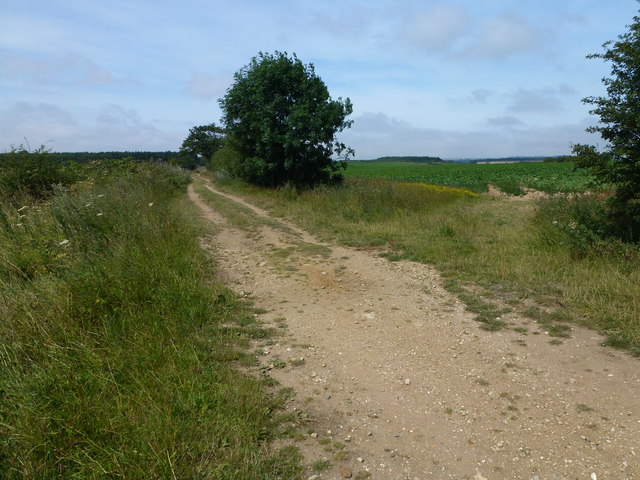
398, 376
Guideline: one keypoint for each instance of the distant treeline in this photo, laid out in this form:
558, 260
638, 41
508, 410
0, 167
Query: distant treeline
410, 159
438, 160
558, 158
139, 156
561, 158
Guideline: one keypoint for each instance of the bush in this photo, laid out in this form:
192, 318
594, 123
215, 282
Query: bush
226, 161
34, 173
583, 224
188, 162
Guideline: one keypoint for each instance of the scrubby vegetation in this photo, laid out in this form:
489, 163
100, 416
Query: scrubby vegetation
34, 173
119, 354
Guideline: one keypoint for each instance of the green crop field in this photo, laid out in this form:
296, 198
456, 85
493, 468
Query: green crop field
550, 177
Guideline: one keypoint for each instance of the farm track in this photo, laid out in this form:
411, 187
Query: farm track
396, 375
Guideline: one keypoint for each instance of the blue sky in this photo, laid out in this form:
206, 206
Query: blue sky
455, 79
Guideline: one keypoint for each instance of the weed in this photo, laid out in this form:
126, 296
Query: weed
487, 313
277, 363
583, 407
320, 465
340, 456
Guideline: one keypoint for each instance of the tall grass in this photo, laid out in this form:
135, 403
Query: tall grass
510, 252
119, 354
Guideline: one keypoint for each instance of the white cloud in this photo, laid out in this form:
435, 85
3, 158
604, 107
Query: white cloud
504, 121
35, 123
118, 116
503, 36
476, 96
545, 99
29, 31
111, 127
376, 134
347, 20
23, 112
207, 86
460, 34
436, 30
69, 68
481, 95
376, 123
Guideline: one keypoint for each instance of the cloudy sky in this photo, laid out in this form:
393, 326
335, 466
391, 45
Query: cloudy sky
455, 78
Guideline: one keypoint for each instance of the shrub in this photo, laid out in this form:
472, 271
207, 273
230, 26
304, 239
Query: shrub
34, 172
582, 223
226, 161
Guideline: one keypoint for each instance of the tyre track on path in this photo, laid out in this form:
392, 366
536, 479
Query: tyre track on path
398, 377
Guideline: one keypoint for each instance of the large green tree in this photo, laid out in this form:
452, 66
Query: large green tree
203, 140
619, 125
283, 123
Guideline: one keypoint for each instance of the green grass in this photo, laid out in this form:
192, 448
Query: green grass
490, 251
320, 465
548, 177
119, 355
236, 214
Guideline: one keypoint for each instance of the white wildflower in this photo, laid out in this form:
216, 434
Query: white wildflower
151, 204
99, 196
64, 242
99, 214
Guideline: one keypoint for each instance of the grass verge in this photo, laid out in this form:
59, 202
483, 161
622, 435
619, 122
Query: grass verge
119, 356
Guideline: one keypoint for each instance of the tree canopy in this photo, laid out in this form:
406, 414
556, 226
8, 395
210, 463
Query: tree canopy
619, 125
283, 123
203, 140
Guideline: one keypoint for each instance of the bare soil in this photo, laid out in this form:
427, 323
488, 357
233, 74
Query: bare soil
399, 382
